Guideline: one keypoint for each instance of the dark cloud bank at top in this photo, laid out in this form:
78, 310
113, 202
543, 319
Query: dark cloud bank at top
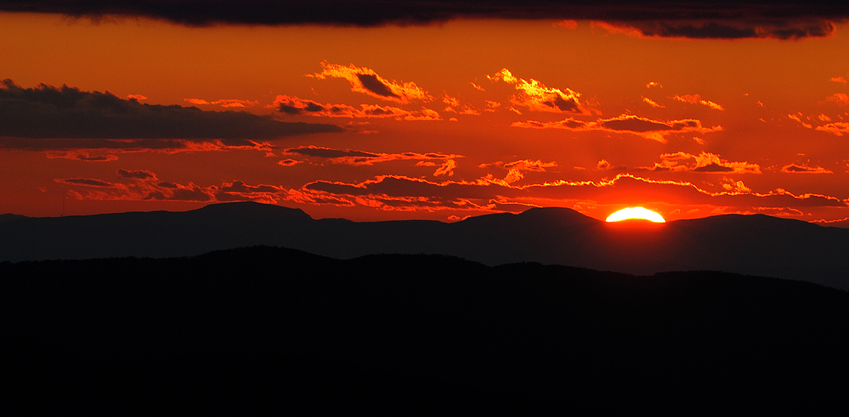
34, 118
690, 19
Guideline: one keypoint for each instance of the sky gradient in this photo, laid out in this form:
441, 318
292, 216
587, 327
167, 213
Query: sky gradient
436, 116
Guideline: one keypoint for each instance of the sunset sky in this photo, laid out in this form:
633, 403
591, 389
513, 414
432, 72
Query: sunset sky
425, 111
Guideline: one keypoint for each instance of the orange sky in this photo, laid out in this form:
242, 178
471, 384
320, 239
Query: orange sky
437, 121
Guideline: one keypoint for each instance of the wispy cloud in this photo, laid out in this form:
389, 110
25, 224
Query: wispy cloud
697, 99
652, 103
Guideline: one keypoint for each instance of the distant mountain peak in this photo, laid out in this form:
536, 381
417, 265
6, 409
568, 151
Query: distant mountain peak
254, 209
556, 214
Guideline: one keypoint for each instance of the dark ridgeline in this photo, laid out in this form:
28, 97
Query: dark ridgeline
755, 245
264, 330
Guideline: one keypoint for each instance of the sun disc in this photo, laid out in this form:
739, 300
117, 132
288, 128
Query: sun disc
636, 213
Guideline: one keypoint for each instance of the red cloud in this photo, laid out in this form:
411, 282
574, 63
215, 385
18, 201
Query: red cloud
697, 99
365, 80
537, 97
804, 169
703, 162
840, 98
837, 128
80, 156
296, 105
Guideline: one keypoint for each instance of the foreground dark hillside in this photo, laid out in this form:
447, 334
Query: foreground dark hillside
266, 330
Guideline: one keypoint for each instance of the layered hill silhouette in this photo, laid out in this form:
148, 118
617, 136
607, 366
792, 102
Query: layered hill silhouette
746, 244
267, 331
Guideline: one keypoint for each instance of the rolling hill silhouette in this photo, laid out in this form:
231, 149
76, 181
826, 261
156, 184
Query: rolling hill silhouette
746, 244
263, 330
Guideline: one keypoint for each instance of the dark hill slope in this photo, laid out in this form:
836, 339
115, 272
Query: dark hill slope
264, 330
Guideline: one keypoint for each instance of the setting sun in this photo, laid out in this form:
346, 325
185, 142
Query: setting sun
636, 213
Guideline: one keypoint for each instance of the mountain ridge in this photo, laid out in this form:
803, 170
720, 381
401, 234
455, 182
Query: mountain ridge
747, 244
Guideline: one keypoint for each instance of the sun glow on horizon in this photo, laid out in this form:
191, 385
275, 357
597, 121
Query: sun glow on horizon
636, 213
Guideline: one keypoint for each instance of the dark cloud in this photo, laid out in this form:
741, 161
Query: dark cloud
758, 27
94, 119
298, 106
98, 158
88, 182
444, 162
37, 144
79, 156
714, 19
570, 105
373, 84
139, 174
330, 153
639, 125
713, 167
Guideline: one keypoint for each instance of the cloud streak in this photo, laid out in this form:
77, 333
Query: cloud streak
656, 130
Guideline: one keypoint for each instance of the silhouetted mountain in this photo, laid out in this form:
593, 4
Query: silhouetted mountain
260, 331
755, 244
